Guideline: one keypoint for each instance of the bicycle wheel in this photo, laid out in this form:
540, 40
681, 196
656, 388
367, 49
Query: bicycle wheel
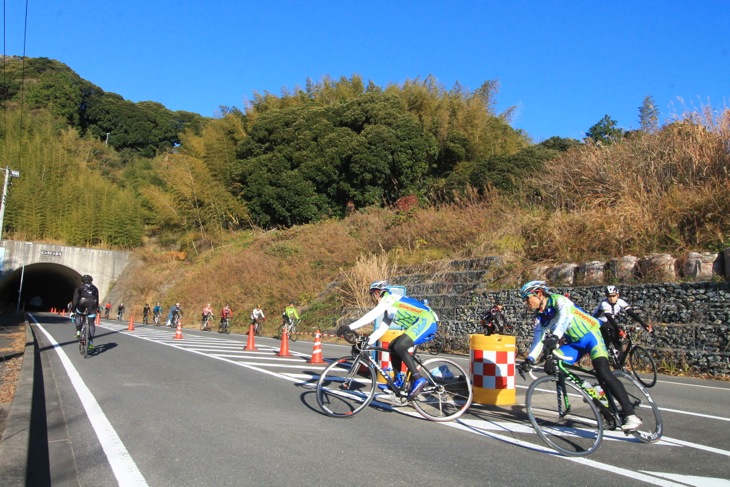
293, 333
449, 392
642, 366
84, 338
346, 387
645, 408
569, 423
227, 328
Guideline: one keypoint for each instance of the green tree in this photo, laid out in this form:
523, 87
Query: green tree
605, 131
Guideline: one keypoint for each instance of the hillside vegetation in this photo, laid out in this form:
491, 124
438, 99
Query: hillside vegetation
346, 181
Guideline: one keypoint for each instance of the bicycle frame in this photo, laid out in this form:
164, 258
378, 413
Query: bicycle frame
565, 371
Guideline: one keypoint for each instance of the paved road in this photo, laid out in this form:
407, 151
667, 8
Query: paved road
150, 410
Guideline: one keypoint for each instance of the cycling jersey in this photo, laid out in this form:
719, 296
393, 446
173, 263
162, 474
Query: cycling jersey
606, 308
566, 320
291, 312
408, 314
256, 314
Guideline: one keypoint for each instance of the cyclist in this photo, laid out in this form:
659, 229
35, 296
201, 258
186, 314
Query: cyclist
207, 315
607, 312
86, 298
289, 315
226, 313
493, 320
257, 316
174, 315
107, 309
120, 311
418, 322
157, 310
146, 313
579, 333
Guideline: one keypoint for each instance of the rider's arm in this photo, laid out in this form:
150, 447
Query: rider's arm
536, 347
633, 314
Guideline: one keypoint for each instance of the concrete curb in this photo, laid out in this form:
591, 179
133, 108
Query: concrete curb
15, 443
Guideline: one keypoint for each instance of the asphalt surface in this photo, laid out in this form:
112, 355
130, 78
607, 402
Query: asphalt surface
147, 409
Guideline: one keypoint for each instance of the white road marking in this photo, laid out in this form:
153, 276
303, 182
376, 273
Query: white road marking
693, 480
124, 468
480, 426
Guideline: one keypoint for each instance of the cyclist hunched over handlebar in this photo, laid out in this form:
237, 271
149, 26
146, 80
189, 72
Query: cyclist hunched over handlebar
416, 319
576, 333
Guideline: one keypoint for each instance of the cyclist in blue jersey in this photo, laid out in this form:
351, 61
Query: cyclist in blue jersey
417, 320
575, 333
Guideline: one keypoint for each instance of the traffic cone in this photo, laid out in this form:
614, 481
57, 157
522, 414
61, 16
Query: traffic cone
178, 333
250, 345
284, 350
317, 351
98, 319
131, 323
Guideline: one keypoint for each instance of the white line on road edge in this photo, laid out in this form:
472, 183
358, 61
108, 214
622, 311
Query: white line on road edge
123, 466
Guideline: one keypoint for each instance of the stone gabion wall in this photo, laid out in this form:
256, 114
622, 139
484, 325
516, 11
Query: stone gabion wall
691, 320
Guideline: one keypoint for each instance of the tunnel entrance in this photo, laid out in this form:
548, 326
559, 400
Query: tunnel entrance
44, 286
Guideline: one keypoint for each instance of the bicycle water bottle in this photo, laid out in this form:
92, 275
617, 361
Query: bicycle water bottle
589, 388
399, 378
601, 395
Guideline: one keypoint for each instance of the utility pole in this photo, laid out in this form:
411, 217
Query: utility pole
9, 174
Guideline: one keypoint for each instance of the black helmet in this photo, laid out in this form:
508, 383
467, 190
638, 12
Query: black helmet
86, 279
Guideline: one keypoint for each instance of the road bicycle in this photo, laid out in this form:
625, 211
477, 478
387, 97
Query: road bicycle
225, 326
156, 319
106, 313
120, 314
290, 327
175, 320
349, 384
640, 363
84, 347
570, 415
145, 319
205, 323
256, 322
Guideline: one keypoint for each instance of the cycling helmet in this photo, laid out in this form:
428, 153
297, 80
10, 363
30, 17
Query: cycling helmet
86, 279
379, 286
611, 290
177, 304
531, 287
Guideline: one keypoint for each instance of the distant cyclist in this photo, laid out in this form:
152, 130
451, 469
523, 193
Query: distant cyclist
607, 312
290, 314
120, 311
174, 315
226, 313
107, 309
207, 315
257, 317
157, 311
417, 321
86, 299
146, 314
493, 320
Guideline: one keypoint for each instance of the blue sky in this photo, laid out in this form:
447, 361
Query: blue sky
562, 64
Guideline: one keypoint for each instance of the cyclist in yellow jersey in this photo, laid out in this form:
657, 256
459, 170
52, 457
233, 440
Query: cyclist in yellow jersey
576, 333
411, 315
